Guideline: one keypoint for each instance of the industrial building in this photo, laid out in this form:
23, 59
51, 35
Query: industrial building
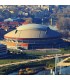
32, 36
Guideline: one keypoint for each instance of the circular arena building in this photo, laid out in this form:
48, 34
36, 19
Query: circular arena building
32, 36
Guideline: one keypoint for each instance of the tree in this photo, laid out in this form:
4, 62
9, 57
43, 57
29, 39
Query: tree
6, 14
64, 23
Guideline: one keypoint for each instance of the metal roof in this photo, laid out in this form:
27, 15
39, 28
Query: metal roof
33, 31
32, 26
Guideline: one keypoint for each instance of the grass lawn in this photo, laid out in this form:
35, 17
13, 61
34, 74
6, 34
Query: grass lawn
6, 61
40, 53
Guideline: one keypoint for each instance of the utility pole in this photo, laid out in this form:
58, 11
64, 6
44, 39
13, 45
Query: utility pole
56, 61
60, 68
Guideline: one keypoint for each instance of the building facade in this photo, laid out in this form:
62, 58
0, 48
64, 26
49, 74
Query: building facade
3, 49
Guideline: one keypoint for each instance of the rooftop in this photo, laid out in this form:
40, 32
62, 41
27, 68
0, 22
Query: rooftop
32, 26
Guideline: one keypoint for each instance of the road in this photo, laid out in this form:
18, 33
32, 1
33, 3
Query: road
63, 63
34, 60
27, 61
